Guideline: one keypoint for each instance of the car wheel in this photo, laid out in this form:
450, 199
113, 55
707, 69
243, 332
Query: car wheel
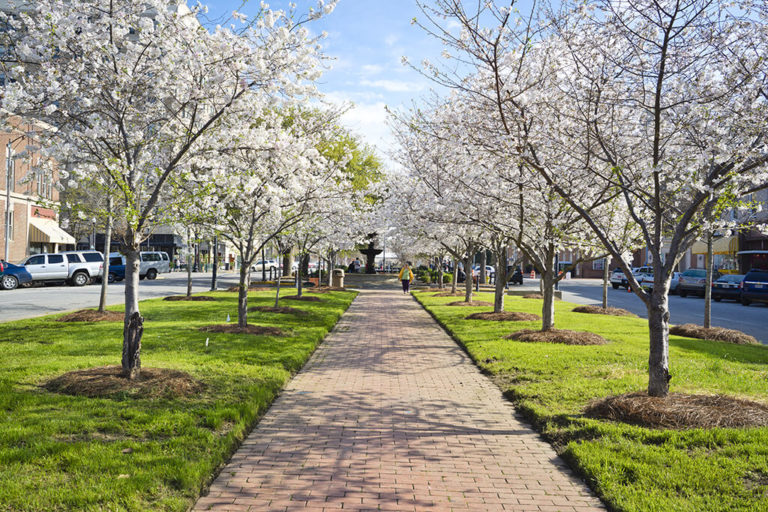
683, 293
615, 286
80, 279
111, 278
151, 274
9, 282
746, 302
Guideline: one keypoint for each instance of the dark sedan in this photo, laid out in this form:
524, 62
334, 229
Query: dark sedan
11, 276
727, 286
755, 287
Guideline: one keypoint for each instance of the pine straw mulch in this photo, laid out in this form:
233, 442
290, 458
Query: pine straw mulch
449, 294
92, 315
505, 316
191, 298
562, 336
280, 309
105, 381
599, 310
258, 330
326, 289
305, 298
474, 303
713, 333
680, 411
536, 296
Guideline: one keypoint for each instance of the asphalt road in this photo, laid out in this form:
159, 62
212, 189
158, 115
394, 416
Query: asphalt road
751, 319
44, 300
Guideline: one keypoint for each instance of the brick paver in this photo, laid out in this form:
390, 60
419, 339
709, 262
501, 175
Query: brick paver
390, 414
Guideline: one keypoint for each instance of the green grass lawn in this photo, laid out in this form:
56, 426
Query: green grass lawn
60, 452
632, 468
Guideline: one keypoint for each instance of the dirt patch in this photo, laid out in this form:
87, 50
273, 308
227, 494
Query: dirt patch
474, 303
562, 336
505, 316
326, 289
599, 310
680, 411
448, 294
713, 333
281, 309
305, 298
192, 298
258, 330
535, 296
109, 380
92, 315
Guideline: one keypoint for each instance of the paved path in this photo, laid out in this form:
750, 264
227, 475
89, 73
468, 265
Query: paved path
389, 414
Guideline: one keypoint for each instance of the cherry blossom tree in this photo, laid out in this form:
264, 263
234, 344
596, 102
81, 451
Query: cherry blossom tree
135, 89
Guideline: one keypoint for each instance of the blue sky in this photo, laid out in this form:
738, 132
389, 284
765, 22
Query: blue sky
366, 40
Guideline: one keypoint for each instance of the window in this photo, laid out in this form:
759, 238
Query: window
93, 257
115, 261
164, 255
36, 260
73, 258
150, 256
598, 264
10, 225
55, 258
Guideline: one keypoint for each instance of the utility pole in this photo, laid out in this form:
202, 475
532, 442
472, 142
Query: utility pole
8, 184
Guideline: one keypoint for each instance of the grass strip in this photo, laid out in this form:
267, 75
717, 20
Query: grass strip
129, 452
632, 468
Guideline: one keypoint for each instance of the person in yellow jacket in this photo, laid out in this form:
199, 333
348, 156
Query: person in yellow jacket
406, 276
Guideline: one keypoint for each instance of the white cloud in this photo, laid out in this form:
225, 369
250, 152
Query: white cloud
371, 69
394, 85
391, 39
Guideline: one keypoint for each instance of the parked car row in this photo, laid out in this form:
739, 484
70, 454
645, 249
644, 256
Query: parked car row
744, 288
77, 268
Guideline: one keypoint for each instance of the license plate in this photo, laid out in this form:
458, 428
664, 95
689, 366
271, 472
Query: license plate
759, 286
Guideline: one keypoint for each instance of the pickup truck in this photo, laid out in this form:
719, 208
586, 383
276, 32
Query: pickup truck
74, 267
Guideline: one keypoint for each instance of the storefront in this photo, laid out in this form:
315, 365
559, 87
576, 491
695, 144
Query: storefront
724, 251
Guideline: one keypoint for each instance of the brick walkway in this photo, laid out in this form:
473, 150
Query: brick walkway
389, 414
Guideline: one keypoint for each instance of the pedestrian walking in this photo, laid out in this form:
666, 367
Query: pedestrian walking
406, 276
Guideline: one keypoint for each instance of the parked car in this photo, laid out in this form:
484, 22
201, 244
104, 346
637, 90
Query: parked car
151, 263
515, 275
694, 280
74, 267
267, 265
727, 286
116, 271
645, 278
754, 287
618, 278
11, 276
488, 270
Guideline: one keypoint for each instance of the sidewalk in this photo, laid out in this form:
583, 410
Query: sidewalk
390, 414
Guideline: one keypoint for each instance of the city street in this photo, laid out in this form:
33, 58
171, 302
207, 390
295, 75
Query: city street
752, 319
44, 300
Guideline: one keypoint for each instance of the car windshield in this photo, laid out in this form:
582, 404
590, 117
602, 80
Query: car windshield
731, 278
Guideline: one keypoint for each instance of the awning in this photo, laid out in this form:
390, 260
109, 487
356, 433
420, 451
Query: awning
723, 245
47, 231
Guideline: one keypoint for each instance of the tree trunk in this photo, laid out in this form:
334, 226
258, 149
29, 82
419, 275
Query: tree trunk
606, 279
133, 326
708, 285
107, 246
287, 263
501, 279
214, 276
483, 261
468, 277
455, 279
439, 261
299, 274
548, 292
277, 293
658, 325
242, 295
189, 272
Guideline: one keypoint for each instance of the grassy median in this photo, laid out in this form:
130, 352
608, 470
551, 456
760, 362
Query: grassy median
632, 468
128, 451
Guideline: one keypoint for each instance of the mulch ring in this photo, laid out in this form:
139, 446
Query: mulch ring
562, 336
680, 411
105, 381
281, 309
92, 315
713, 333
598, 310
474, 303
326, 289
252, 288
305, 298
505, 316
536, 296
259, 330
191, 298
